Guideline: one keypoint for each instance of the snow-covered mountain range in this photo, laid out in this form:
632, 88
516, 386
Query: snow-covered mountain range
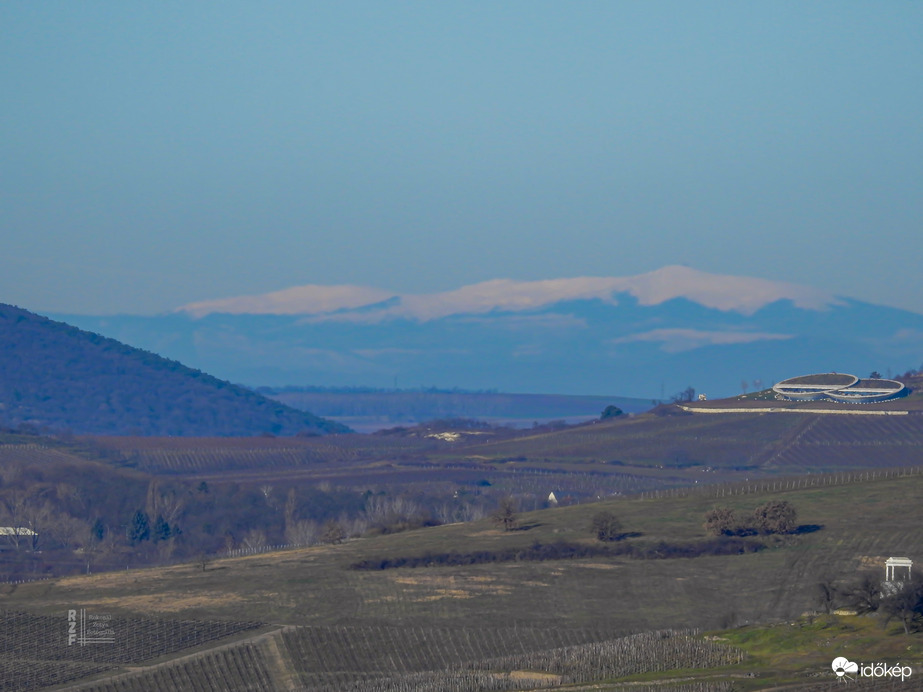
741, 294
643, 335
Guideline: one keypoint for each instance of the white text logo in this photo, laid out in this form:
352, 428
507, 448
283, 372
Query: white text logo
848, 670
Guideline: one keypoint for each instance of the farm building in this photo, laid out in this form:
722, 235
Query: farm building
10, 537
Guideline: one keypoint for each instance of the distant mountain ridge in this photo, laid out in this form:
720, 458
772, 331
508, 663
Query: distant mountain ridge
55, 376
646, 336
366, 304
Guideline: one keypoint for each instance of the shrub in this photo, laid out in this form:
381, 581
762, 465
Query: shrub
611, 412
606, 526
720, 521
775, 516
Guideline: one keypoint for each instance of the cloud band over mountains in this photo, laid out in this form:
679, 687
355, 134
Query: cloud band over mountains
349, 303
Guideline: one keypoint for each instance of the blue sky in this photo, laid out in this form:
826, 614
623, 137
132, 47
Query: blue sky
155, 154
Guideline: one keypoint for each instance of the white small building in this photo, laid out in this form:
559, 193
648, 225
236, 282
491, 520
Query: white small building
16, 531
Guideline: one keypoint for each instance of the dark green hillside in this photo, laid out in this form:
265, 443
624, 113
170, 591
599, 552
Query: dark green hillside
58, 377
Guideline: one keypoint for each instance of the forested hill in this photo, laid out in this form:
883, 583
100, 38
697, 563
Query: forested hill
55, 376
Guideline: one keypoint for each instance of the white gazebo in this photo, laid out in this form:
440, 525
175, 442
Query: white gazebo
892, 564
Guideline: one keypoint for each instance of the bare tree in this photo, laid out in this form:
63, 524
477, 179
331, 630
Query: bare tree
12, 514
387, 510
291, 504
471, 511
163, 503
255, 539
10, 473
445, 513
905, 604
606, 526
333, 532
302, 532
865, 594
70, 532
38, 515
505, 514
826, 593
688, 394
165, 549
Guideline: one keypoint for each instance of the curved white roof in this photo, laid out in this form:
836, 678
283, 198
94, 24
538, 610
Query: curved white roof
842, 387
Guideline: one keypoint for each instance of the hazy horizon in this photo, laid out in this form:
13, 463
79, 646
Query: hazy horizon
160, 155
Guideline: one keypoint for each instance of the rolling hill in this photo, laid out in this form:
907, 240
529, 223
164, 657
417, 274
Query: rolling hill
57, 377
335, 627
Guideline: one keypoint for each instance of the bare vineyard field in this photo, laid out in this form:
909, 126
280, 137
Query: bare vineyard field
759, 443
470, 660
638, 454
362, 461
445, 659
22, 675
34, 453
715, 440
241, 668
861, 442
383, 649
180, 455
34, 649
391, 629
198, 455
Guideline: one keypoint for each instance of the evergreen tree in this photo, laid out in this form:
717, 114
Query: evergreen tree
139, 528
162, 529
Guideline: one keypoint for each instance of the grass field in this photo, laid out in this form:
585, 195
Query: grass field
862, 522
